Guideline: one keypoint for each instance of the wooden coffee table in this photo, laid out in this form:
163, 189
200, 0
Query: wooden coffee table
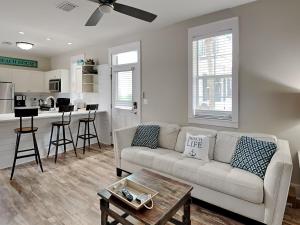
172, 196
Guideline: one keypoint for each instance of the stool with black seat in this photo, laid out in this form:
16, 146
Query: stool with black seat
61, 124
92, 108
21, 113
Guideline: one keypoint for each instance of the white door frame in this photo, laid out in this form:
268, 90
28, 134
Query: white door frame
137, 67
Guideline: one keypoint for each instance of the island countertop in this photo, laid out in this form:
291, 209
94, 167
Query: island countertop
44, 115
8, 124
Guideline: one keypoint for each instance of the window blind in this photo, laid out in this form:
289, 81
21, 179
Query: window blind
212, 76
124, 89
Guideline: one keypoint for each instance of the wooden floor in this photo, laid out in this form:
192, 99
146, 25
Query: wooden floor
66, 193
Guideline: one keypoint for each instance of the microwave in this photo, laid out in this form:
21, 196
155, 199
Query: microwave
55, 85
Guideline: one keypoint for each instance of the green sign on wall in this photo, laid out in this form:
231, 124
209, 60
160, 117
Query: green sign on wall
18, 62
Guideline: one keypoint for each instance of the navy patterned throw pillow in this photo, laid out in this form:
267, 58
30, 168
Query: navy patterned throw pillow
146, 136
253, 155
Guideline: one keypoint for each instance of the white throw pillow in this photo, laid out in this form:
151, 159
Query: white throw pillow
197, 146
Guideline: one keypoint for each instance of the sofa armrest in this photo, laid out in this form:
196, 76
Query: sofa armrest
277, 183
122, 138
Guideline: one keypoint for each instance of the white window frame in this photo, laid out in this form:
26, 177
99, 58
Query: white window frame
210, 30
135, 67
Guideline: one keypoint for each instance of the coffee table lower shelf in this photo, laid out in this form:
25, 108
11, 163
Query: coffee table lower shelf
107, 199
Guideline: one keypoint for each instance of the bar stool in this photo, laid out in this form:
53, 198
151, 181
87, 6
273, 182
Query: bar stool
62, 124
29, 112
91, 119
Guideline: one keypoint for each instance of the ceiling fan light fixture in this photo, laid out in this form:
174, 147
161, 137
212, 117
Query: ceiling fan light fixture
106, 8
24, 45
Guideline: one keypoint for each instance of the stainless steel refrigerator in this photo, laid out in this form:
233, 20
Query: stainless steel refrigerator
6, 97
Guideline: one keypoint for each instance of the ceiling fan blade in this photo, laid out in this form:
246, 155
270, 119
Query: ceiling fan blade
95, 18
134, 12
97, 1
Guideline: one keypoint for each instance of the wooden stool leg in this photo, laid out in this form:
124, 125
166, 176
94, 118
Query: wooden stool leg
16, 153
64, 137
78, 134
57, 142
72, 140
50, 141
84, 140
96, 134
36, 155
37, 151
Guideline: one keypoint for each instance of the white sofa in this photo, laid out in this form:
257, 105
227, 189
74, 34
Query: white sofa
215, 182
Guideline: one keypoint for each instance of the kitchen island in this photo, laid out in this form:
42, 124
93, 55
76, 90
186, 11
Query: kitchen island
43, 121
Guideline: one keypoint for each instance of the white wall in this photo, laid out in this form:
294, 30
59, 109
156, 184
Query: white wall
269, 69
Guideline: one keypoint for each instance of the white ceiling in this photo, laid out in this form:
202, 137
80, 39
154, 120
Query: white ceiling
40, 19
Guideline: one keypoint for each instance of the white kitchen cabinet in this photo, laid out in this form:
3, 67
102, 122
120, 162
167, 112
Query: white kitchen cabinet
6, 75
28, 80
63, 75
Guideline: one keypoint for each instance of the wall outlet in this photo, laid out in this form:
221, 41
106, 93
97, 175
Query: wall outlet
145, 101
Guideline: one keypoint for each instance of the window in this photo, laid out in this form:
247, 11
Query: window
125, 58
124, 89
213, 74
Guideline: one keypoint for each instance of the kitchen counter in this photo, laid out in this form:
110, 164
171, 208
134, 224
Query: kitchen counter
8, 122
44, 115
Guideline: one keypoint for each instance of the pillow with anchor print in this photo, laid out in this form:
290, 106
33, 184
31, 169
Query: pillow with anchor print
196, 146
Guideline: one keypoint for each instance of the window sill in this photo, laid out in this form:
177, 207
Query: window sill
123, 108
214, 122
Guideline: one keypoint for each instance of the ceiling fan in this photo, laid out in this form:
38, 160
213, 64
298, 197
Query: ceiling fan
107, 6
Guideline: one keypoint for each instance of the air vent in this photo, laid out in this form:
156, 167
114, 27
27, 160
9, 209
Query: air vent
7, 43
66, 6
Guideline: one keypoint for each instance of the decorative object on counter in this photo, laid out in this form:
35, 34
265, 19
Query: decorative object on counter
50, 101
18, 62
89, 62
80, 62
21, 113
89, 67
91, 119
79, 103
61, 124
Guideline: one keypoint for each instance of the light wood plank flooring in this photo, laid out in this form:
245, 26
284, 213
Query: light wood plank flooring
66, 193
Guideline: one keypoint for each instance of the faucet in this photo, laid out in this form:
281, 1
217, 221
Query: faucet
54, 101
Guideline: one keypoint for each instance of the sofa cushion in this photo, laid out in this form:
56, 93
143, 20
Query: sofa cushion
253, 155
213, 175
196, 131
167, 135
144, 156
146, 136
221, 177
226, 143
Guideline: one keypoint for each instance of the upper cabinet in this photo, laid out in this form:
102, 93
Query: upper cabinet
28, 80
6, 75
35, 81
63, 75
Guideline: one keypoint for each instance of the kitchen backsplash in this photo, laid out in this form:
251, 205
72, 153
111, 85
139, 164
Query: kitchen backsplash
32, 99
